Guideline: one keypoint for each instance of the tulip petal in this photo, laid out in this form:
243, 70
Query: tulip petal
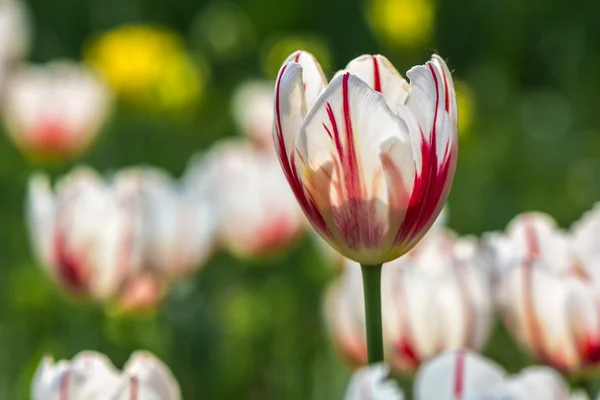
373, 383
339, 158
456, 375
151, 372
40, 211
313, 78
432, 102
290, 110
531, 383
379, 73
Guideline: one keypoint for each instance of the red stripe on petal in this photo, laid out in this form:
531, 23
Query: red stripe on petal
297, 58
429, 185
459, 376
353, 182
328, 131
376, 75
134, 392
63, 393
289, 168
69, 265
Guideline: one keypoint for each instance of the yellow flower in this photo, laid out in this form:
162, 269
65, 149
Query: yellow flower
402, 23
147, 65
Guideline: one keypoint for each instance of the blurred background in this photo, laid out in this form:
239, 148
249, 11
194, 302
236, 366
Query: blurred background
526, 74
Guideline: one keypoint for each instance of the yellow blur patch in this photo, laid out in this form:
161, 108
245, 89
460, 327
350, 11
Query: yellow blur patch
147, 65
402, 23
465, 100
279, 50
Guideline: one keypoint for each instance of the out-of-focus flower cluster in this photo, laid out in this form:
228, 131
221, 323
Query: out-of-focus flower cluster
91, 376
122, 240
461, 374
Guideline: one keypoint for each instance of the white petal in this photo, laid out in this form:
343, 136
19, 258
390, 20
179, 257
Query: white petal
41, 214
432, 101
586, 241
531, 383
57, 382
290, 110
152, 373
379, 73
314, 81
456, 375
253, 110
373, 383
536, 304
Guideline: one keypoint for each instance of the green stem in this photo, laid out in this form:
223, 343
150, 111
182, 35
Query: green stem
372, 287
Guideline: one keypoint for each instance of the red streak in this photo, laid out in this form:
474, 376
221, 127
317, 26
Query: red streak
336, 132
64, 386
134, 389
297, 58
289, 169
69, 265
429, 185
352, 179
459, 376
376, 76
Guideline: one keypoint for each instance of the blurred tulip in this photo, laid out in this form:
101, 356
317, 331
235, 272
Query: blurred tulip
55, 111
369, 158
459, 375
148, 66
253, 111
14, 35
373, 383
122, 241
434, 299
546, 295
91, 376
258, 214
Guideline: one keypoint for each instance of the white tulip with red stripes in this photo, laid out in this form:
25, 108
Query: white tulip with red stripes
120, 240
547, 290
56, 110
91, 376
369, 157
463, 375
373, 383
258, 216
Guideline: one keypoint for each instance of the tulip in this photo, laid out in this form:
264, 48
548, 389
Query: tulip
369, 157
91, 376
373, 383
546, 294
435, 298
56, 111
257, 212
463, 375
14, 36
253, 111
119, 241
